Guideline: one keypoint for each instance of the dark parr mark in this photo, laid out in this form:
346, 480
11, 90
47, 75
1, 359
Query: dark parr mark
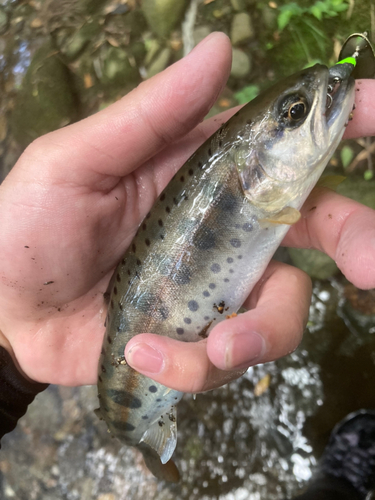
152, 388
193, 305
123, 426
118, 278
168, 210
124, 398
229, 260
212, 286
187, 321
180, 331
206, 293
162, 197
147, 241
115, 290
204, 238
191, 172
182, 178
160, 222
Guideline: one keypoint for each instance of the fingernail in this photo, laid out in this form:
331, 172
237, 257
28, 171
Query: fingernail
145, 358
244, 349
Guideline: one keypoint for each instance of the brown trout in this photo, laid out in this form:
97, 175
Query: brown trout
208, 240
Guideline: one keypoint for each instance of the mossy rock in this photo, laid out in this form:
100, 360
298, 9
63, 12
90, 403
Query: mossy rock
316, 264
163, 15
118, 73
359, 190
45, 101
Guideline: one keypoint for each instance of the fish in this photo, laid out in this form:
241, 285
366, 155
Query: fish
207, 241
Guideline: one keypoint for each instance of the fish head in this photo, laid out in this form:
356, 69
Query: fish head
297, 127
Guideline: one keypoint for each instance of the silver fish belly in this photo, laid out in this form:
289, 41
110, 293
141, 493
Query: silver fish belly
207, 241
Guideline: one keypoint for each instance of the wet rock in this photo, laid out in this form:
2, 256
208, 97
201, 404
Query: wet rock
163, 15
269, 17
241, 29
3, 21
46, 100
238, 5
241, 63
316, 264
76, 43
160, 63
117, 69
200, 33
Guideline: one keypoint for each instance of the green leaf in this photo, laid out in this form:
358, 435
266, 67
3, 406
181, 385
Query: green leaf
368, 175
316, 12
247, 94
346, 156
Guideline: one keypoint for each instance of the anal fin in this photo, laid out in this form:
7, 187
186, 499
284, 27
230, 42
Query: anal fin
161, 436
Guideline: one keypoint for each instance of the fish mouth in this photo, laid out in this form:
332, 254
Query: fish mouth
339, 102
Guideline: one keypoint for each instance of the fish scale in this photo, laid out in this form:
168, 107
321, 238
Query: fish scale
206, 242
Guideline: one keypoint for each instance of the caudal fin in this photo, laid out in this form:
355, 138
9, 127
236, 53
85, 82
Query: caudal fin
167, 472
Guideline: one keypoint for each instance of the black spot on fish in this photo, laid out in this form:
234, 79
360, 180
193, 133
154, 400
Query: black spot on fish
162, 236
206, 293
175, 201
158, 400
191, 171
193, 305
152, 388
102, 352
212, 286
144, 417
144, 226
103, 368
206, 318
229, 260
162, 197
148, 215
200, 164
226, 280
209, 152
239, 256
124, 398
147, 241
115, 290
118, 278
112, 304
182, 178
168, 210
100, 379
134, 247
129, 273
235, 242
204, 238
247, 227
138, 262
160, 222
220, 143
109, 339
187, 321
249, 122
215, 268
123, 262
180, 331
120, 306
123, 426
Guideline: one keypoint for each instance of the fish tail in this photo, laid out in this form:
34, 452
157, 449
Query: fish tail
167, 472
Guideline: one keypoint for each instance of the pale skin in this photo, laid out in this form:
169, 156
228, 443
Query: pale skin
71, 206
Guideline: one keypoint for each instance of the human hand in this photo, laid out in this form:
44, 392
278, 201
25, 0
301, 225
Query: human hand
71, 206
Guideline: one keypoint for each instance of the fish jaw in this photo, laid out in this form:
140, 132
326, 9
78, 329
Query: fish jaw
282, 160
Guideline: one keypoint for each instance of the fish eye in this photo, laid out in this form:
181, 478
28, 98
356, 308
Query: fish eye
297, 111
293, 109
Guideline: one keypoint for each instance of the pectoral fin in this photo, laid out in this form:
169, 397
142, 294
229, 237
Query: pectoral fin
161, 436
287, 215
331, 181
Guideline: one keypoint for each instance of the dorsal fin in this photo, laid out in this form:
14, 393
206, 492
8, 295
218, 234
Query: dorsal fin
161, 436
